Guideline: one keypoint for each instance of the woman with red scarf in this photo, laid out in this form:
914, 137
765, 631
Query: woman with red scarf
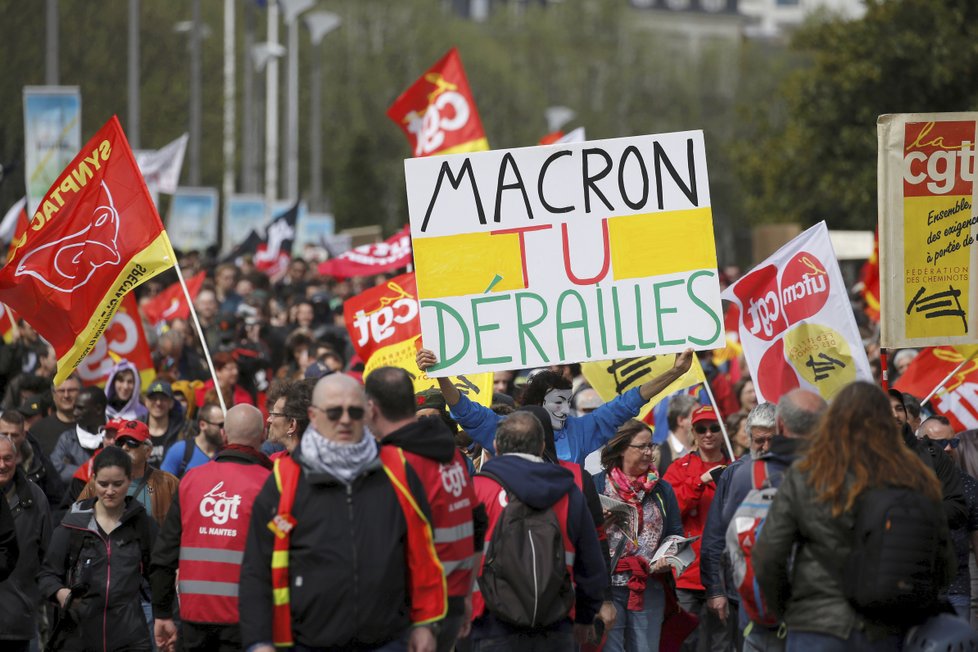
638, 587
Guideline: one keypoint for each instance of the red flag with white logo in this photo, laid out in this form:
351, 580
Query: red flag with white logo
95, 237
958, 398
171, 303
437, 112
796, 323
376, 258
123, 339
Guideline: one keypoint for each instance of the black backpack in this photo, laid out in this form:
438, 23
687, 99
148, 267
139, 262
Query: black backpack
524, 579
891, 575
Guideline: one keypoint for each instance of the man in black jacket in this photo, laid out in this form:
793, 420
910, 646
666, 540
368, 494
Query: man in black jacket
19, 594
9, 552
955, 508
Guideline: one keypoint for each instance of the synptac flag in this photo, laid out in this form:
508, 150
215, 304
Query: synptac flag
437, 112
96, 235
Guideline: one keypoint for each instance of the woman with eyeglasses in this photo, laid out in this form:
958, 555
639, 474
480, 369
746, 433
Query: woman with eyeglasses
694, 477
638, 586
96, 562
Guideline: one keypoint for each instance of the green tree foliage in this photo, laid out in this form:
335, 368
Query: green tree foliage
810, 153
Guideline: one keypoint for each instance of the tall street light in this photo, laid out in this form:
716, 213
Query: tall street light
196, 32
319, 23
291, 10
271, 109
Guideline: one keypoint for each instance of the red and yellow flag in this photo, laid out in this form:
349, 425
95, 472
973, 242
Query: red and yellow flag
96, 236
171, 303
437, 112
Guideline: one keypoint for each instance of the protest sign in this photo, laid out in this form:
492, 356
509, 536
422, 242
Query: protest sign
313, 228
192, 222
437, 113
565, 253
927, 229
52, 136
242, 215
95, 237
384, 329
124, 338
950, 374
610, 378
161, 167
376, 258
796, 322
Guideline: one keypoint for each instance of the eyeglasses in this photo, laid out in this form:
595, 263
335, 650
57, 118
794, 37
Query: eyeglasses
644, 447
128, 443
336, 413
278, 414
701, 430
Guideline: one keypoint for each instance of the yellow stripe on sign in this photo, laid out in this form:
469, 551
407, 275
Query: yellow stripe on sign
456, 265
653, 244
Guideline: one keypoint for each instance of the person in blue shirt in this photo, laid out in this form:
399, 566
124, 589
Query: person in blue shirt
209, 440
574, 436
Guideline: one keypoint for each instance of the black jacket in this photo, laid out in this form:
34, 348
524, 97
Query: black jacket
346, 561
19, 595
952, 489
44, 475
113, 568
9, 550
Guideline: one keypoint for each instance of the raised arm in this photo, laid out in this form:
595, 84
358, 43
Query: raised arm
426, 359
660, 382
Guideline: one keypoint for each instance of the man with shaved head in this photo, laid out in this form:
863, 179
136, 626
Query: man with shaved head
340, 552
793, 420
205, 540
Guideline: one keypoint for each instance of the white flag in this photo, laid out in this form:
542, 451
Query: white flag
161, 167
796, 322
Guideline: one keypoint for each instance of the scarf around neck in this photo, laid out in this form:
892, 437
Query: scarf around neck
633, 490
89, 441
342, 461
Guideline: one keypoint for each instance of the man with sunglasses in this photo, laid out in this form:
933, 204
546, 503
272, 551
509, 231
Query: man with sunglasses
693, 477
339, 552
938, 430
202, 448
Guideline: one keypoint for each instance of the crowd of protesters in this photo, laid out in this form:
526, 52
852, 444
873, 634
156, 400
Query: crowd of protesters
286, 503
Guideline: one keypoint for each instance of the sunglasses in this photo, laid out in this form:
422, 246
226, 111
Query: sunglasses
336, 413
701, 430
953, 442
128, 443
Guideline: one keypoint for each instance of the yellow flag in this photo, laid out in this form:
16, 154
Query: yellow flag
613, 377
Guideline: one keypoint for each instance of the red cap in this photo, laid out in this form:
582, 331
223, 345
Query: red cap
703, 413
115, 423
133, 430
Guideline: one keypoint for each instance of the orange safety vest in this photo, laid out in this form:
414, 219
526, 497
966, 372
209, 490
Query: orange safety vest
427, 589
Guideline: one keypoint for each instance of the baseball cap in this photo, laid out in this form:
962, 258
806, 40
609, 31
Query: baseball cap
317, 370
705, 413
429, 399
115, 423
30, 408
133, 430
160, 387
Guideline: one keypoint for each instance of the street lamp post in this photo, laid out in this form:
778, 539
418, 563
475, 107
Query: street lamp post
291, 10
319, 23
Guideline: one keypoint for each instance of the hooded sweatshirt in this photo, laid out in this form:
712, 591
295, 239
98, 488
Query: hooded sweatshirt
131, 409
540, 485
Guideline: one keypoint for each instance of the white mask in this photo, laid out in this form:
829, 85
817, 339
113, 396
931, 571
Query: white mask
557, 403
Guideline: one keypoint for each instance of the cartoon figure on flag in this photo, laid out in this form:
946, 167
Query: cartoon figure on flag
437, 113
94, 238
796, 323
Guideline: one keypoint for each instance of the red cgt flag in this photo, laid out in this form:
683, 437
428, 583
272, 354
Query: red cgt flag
171, 303
96, 235
377, 258
959, 400
124, 338
437, 113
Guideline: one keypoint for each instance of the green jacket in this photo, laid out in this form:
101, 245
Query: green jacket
808, 595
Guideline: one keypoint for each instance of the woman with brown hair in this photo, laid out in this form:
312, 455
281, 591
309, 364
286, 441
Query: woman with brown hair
856, 450
638, 596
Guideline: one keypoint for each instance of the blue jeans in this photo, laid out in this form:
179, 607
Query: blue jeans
816, 642
553, 641
637, 631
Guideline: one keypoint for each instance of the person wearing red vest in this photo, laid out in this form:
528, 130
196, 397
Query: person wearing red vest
205, 540
693, 477
429, 447
520, 466
340, 552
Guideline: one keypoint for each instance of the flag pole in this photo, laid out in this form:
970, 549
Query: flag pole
723, 427
203, 340
951, 375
